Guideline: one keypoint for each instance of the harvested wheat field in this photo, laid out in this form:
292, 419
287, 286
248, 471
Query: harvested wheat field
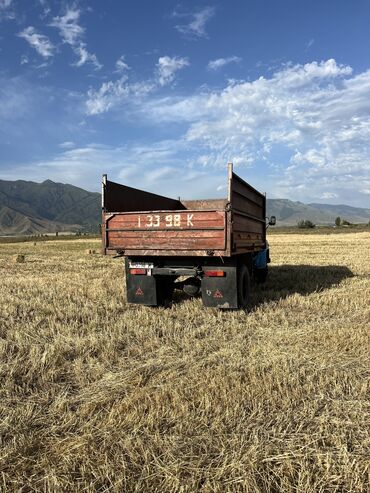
100, 396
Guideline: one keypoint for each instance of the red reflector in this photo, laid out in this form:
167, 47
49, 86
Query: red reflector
214, 273
136, 272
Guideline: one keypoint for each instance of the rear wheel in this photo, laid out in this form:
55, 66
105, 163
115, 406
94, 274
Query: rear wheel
243, 282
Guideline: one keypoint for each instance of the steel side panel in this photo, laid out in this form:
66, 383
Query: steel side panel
189, 231
249, 215
167, 220
123, 198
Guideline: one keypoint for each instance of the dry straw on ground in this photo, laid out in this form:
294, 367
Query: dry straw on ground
100, 396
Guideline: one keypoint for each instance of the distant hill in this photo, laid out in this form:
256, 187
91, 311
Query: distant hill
38, 208
288, 213
352, 214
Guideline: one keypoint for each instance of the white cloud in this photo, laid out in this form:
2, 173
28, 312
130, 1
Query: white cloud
24, 60
121, 65
111, 94
67, 145
86, 57
45, 9
329, 195
302, 133
196, 25
39, 42
4, 4
301, 75
68, 26
315, 117
221, 62
6, 10
167, 68
307, 125
159, 167
312, 140
309, 44
72, 34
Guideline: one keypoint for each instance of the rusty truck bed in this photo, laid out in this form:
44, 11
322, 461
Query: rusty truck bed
138, 223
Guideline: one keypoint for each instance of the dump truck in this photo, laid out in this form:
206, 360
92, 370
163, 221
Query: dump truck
210, 248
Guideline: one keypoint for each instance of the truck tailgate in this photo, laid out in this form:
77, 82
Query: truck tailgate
166, 231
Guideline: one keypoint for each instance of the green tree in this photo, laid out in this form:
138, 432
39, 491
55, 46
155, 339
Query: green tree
305, 224
338, 221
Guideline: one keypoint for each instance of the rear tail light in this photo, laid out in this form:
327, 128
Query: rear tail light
215, 273
138, 272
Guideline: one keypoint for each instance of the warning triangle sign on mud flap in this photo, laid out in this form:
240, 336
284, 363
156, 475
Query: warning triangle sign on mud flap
139, 291
218, 294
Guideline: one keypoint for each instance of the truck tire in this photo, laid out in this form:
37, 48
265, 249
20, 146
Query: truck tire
261, 275
243, 281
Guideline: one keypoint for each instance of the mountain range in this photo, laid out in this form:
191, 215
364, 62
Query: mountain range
288, 213
28, 208
38, 208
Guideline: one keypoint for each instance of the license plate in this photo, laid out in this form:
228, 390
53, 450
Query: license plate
141, 265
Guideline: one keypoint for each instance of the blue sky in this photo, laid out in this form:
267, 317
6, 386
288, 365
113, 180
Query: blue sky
161, 95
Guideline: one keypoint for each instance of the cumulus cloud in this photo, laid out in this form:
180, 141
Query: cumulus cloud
221, 62
72, 34
195, 27
303, 75
167, 68
305, 128
39, 42
307, 125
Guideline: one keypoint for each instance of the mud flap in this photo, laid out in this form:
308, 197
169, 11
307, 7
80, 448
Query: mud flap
220, 292
141, 290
